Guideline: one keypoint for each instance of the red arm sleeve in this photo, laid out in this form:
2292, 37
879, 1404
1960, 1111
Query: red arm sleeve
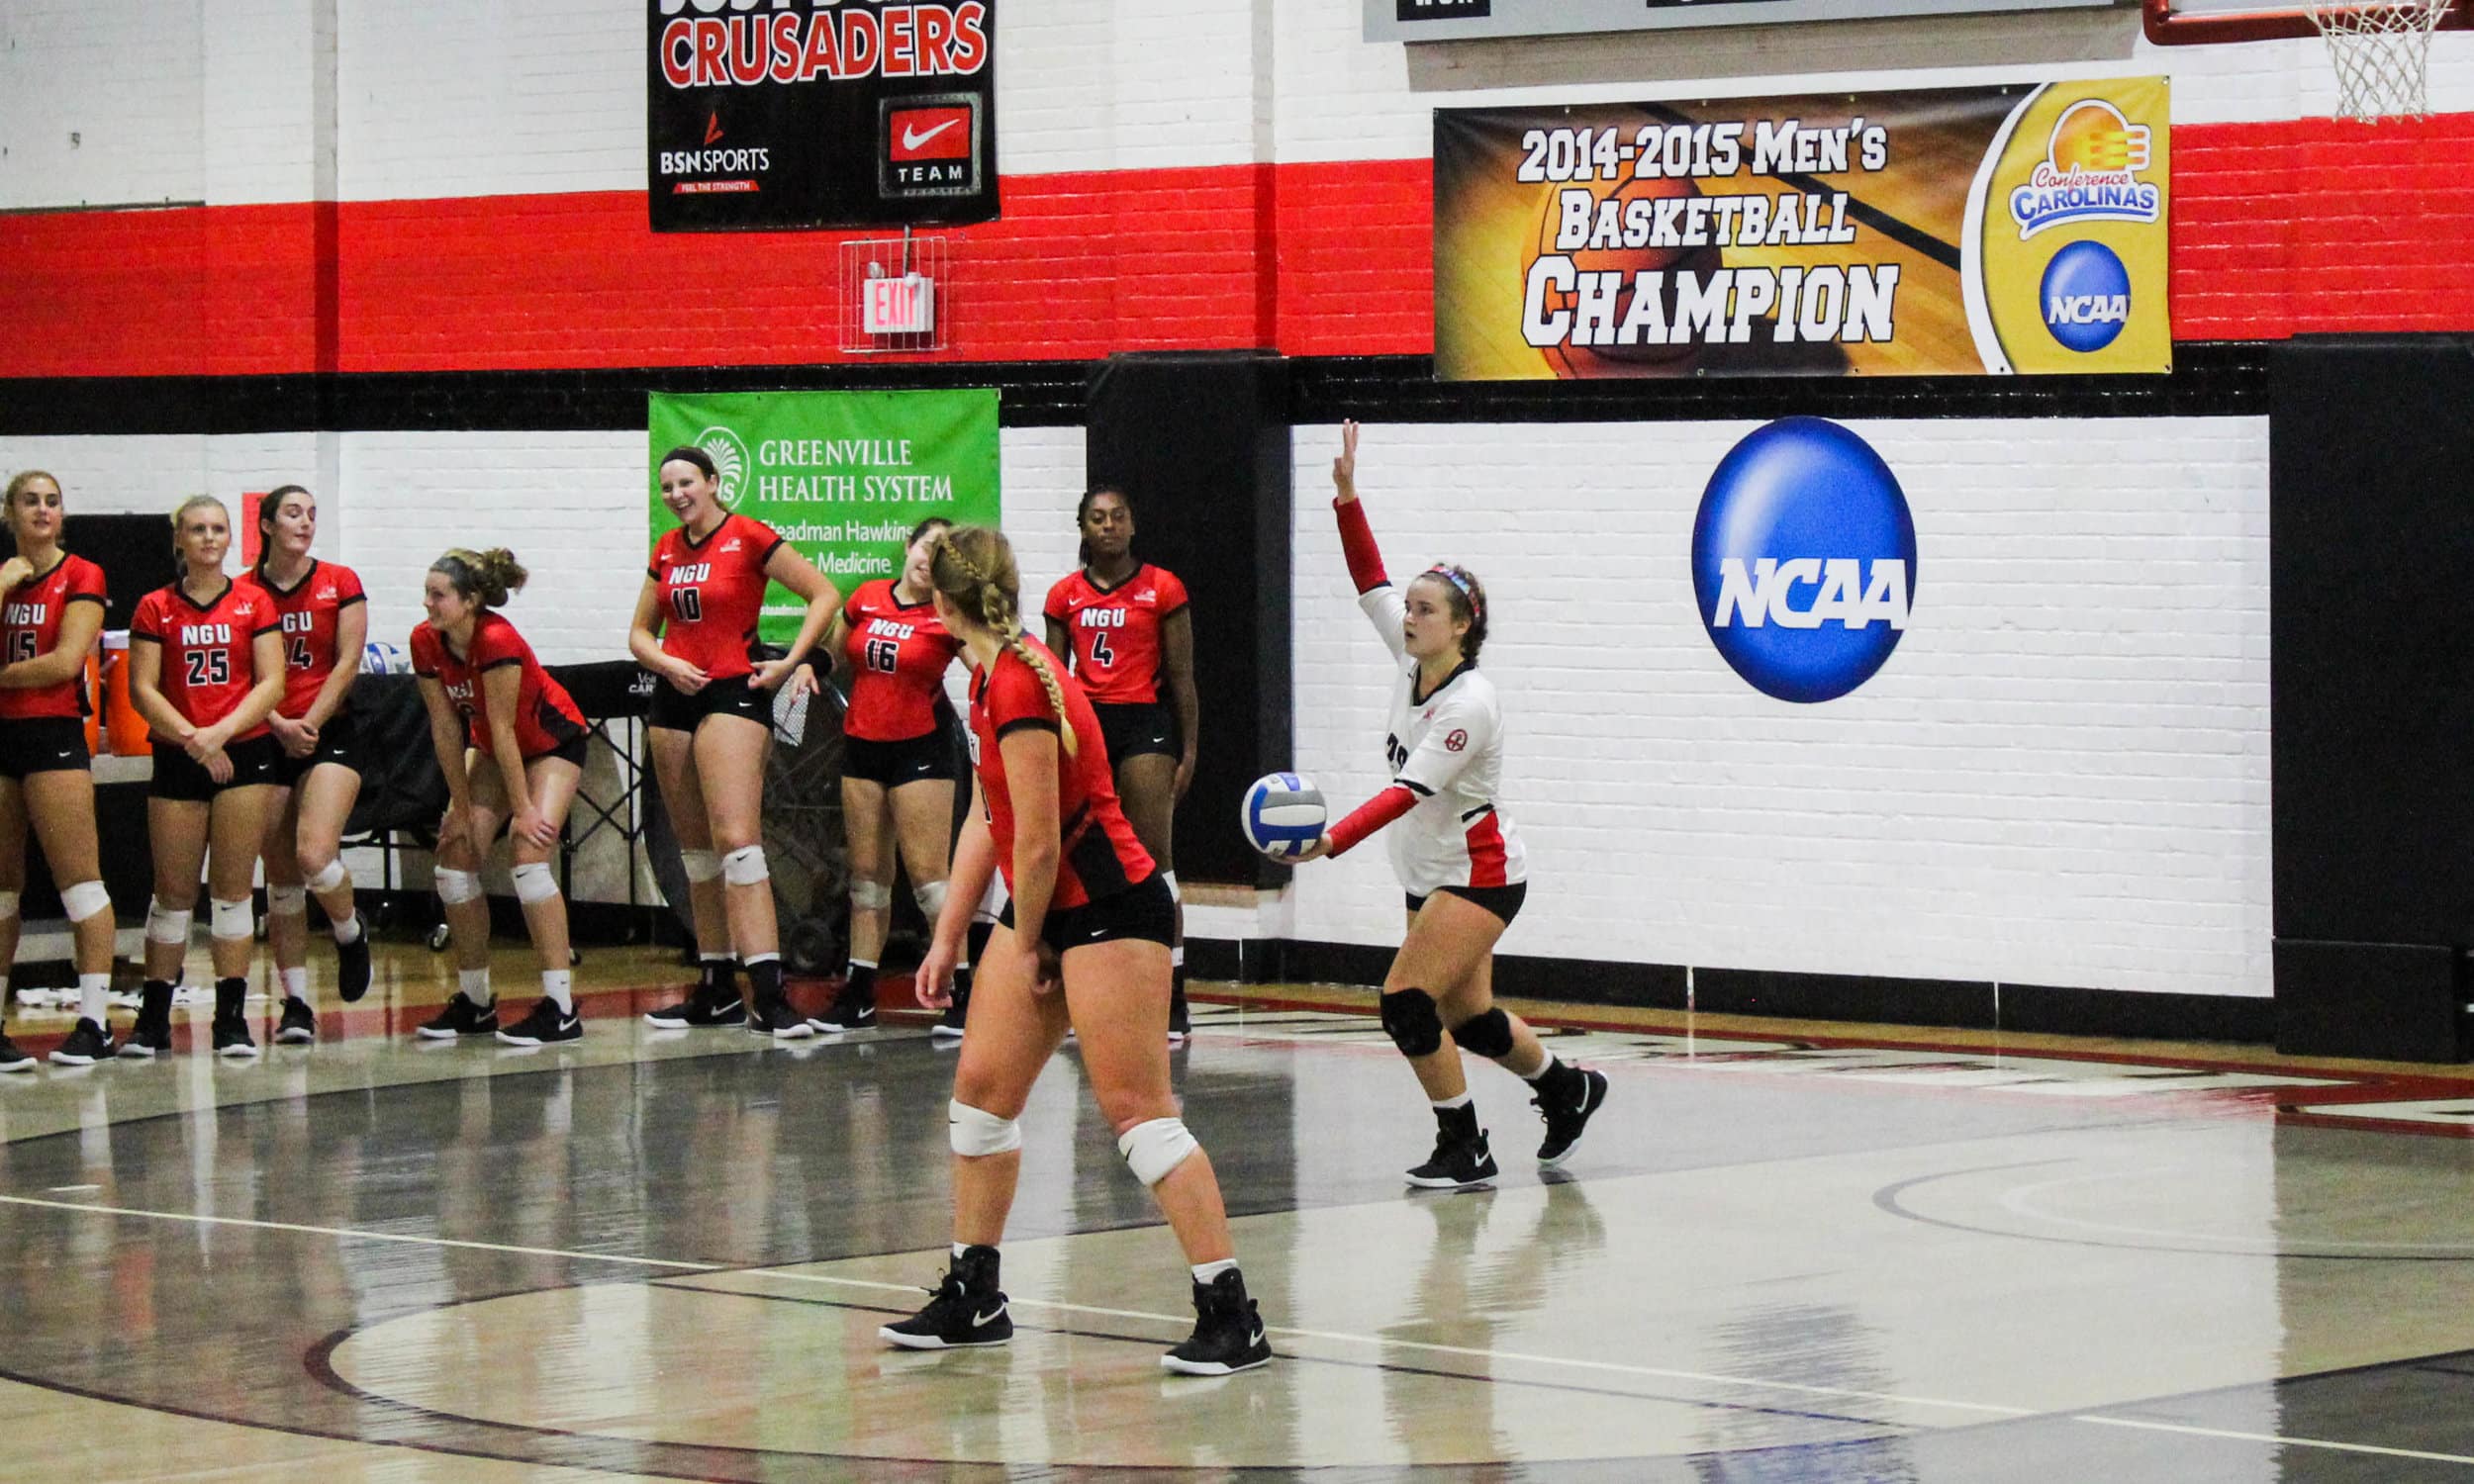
1371, 816
1357, 544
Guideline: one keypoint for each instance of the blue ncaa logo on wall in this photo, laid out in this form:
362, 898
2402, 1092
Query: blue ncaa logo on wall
1804, 560
2086, 297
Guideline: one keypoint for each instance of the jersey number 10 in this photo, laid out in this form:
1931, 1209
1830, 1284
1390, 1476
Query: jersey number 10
689, 602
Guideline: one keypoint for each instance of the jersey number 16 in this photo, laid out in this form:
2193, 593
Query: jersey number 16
883, 655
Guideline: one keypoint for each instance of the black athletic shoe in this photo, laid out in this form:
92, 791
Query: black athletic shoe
462, 1017
949, 1026
1181, 1022
352, 966
848, 1012
11, 1058
1564, 1123
700, 1006
86, 1043
1228, 1332
151, 1035
544, 1025
231, 1037
1457, 1165
299, 1024
965, 1308
773, 1016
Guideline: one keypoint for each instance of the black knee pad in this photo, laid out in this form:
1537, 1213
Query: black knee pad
1409, 1019
1489, 1035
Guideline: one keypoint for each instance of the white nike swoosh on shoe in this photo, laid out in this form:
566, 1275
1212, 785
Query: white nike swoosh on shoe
912, 139
989, 1318
1258, 1337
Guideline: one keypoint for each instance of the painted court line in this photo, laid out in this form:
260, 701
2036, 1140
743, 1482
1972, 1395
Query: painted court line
1334, 1337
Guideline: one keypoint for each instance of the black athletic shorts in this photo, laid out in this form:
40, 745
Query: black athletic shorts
1145, 911
675, 711
1139, 729
43, 744
180, 777
338, 742
570, 751
1502, 901
925, 758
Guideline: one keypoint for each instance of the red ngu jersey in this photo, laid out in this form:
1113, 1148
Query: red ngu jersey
208, 666
1116, 631
1101, 856
546, 718
30, 628
898, 653
309, 612
711, 594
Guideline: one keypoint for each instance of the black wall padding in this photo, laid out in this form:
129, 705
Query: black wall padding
1201, 442
2371, 541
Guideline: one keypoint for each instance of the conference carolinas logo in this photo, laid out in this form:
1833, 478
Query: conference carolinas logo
730, 461
2086, 296
1804, 560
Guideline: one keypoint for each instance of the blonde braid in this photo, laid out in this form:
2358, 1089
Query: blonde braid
1048, 682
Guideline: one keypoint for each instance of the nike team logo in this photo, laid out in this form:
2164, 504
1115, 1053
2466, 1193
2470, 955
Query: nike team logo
912, 139
979, 1321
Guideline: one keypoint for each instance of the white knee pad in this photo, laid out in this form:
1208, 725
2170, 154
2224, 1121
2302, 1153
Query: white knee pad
1154, 1149
745, 867
931, 900
977, 1133
869, 896
329, 876
699, 865
287, 902
166, 926
80, 902
231, 920
8, 905
534, 883
455, 887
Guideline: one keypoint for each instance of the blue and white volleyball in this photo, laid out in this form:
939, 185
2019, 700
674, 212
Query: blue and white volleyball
1283, 814
384, 659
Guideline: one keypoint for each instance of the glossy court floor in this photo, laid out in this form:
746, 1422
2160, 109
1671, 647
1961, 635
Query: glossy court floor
1782, 1252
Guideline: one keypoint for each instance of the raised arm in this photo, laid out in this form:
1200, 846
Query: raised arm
1377, 597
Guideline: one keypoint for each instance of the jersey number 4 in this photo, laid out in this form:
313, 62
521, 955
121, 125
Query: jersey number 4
210, 667
1101, 654
688, 603
298, 651
883, 655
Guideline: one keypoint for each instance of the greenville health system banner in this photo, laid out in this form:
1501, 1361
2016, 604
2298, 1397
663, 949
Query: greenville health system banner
843, 475
1950, 232
858, 113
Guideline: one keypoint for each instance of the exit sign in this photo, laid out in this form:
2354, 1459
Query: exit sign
904, 306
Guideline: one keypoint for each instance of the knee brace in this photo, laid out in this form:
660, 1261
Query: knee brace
1409, 1019
1154, 1149
455, 887
8, 904
1489, 1035
977, 1133
701, 866
931, 900
869, 896
745, 867
230, 920
166, 926
287, 902
329, 876
85, 899
535, 881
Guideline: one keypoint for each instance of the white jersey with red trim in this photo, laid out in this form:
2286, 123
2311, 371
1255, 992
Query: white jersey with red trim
1446, 748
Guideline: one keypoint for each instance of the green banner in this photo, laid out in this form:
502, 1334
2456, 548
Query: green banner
843, 475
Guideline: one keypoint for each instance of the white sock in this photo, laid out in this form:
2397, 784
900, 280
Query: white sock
294, 983
94, 996
554, 984
1204, 1272
350, 930
958, 1249
475, 982
1447, 1104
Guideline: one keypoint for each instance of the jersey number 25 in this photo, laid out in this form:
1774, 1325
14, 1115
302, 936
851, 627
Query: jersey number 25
209, 667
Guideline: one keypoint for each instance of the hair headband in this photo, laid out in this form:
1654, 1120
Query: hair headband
1452, 575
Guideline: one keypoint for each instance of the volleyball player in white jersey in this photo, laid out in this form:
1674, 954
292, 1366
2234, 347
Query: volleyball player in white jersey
1456, 854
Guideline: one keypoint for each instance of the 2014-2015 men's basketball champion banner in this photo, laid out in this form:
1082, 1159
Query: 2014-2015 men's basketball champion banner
821, 116
1948, 231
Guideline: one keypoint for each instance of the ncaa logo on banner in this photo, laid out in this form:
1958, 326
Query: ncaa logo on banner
730, 461
2086, 296
1804, 560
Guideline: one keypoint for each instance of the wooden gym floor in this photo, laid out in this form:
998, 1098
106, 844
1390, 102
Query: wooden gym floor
1784, 1251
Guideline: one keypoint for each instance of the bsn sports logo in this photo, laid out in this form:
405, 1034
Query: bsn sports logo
1804, 560
2086, 297
730, 461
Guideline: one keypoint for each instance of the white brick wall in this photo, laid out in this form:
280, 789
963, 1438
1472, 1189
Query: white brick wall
2060, 777
100, 102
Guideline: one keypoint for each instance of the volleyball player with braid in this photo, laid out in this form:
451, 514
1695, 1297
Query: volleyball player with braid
1456, 854
1085, 944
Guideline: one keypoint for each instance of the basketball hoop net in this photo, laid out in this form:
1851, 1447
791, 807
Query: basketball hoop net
2382, 52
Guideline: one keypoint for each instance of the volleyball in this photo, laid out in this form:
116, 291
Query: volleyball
384, 659
1283, 814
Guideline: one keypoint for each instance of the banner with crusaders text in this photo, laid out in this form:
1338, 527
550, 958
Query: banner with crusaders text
861, 113
1984, 230
843, 475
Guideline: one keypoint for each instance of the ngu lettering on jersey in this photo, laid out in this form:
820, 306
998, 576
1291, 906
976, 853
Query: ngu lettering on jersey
205, 633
